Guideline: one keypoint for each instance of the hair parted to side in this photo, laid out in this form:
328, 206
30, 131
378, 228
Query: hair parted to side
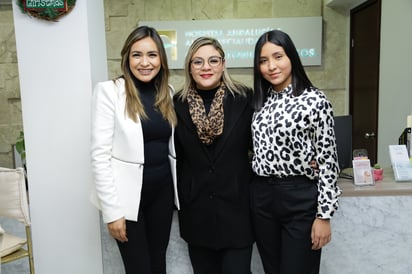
233, 86
300, 80
163, 101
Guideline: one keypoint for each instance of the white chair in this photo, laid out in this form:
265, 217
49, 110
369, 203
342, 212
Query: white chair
14, 204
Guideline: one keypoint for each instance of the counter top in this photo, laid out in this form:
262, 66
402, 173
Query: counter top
387, 187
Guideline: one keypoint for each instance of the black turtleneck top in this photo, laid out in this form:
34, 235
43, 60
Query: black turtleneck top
156, 134
207, 96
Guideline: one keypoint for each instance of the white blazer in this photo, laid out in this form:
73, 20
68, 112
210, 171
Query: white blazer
117, 154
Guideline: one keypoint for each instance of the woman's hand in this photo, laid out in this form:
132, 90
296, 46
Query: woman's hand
118, 230
321, 233
313, 164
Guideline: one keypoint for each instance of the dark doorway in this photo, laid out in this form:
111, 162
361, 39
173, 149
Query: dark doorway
364, 75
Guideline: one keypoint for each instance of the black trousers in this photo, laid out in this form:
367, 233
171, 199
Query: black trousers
145, 252
283, 214
221, 261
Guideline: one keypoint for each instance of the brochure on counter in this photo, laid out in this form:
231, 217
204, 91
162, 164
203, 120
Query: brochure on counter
362, 172
401, 164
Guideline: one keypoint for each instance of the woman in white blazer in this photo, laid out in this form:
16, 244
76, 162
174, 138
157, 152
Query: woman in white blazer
133, 155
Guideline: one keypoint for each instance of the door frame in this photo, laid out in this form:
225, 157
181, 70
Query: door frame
361, 7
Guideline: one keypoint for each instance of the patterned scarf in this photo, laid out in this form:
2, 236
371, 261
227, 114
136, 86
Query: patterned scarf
208, 126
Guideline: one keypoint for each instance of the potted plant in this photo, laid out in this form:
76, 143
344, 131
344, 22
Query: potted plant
377, 172
20, 147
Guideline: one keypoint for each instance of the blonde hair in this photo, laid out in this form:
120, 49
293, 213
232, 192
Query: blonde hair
163, 101
233, 86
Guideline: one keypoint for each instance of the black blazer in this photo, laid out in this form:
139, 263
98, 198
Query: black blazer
214, 183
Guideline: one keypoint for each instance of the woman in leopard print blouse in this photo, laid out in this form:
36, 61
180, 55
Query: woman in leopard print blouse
292, 125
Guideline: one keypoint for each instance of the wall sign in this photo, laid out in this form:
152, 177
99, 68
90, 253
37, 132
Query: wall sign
238, 37
50, 10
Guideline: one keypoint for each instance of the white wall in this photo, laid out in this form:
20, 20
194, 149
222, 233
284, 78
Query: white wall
59, 63
395, 96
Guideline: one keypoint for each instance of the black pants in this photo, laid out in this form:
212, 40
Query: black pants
222, 261
283, 214
145, 252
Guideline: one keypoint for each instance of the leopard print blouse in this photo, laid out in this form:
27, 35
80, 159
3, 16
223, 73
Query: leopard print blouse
290, 131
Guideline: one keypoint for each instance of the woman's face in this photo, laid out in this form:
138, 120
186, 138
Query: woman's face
275, 66
207, 67
144, 59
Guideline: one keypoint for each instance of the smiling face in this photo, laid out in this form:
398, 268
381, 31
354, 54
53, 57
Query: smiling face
144, 59
275, 66
207, 67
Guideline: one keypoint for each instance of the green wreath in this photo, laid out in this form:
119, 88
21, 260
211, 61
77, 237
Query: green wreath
47, 13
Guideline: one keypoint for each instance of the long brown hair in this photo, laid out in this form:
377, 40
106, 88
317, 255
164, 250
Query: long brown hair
134, 106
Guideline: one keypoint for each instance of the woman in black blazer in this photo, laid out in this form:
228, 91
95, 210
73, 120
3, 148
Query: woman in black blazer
212, 140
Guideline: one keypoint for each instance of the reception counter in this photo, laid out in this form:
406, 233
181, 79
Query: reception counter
372, 230
386, 187
371, 234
